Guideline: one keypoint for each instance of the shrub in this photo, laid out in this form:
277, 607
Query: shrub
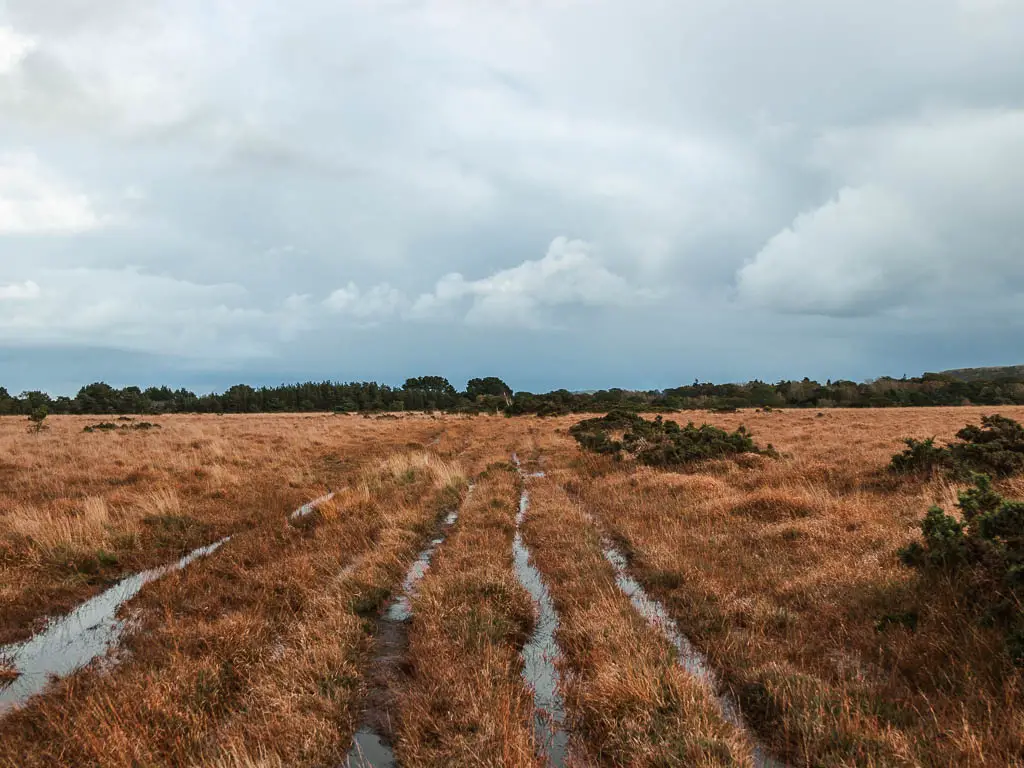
920, 456
660, 443
37, 419
985, 550
994, 448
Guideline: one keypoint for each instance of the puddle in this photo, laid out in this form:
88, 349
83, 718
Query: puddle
541, 650
88, 632
688, 657
308, 508
370, 746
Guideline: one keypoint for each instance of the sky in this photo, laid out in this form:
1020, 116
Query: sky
562, 193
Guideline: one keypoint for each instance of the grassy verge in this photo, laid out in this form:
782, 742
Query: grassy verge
465, 703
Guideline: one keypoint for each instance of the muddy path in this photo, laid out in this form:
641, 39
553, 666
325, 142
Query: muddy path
373, 741
687, 656
541, 653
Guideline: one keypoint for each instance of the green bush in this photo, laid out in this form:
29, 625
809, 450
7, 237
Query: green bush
660, 443
920, 456
994, 448
985, 551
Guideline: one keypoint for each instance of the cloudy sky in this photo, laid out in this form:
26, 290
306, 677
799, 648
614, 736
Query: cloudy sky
577, 193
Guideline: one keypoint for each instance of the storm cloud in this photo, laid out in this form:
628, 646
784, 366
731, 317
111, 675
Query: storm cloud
559, 192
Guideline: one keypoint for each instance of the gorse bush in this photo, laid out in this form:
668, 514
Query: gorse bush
985, 551
920, 456
660, 443
994, 448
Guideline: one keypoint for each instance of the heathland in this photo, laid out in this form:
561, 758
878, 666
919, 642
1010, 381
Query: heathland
713, 597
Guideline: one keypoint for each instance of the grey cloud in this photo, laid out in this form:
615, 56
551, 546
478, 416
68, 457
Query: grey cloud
280, 186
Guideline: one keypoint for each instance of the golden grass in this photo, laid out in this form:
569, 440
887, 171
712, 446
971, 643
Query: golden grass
779, 571
255, 656
629, 703
465, 702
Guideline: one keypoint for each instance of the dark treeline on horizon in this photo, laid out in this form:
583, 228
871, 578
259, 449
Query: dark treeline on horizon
435, 393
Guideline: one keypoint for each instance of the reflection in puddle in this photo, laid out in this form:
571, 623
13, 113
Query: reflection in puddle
541, 651
88, 632
370, 746
688, 657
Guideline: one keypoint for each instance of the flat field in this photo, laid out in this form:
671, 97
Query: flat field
742, 611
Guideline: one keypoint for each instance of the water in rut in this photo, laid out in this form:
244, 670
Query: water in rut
71, 642
371, 745
692, 660
541, 650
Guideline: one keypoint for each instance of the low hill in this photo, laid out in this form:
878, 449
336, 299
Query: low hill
996, 373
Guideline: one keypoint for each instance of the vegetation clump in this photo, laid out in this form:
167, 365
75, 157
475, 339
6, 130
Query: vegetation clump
995, 448
661, 443
109, 426
983, 552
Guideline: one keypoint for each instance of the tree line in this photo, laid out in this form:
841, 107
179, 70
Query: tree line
491, 394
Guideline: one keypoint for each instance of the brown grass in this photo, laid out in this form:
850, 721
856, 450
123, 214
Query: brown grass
465, 703
779, 570
630, 703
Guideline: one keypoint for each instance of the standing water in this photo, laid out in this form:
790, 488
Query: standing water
87, 633
541, 650
371, 746
309, 508
688, 657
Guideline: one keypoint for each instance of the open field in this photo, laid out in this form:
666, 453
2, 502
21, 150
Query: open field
277, 648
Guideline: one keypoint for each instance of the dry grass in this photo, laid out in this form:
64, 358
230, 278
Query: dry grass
255, 656
630, 703
80, 510
465, 703
781, 571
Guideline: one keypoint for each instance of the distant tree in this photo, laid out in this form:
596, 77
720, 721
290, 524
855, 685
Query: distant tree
437, 385
491, 385
37, 419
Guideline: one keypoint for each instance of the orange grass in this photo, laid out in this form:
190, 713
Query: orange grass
627, 701
78, 511
255, 654
465, 702
780, 570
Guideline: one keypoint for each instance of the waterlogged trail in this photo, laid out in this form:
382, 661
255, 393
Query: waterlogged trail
541, 651
73, 641
371, 745
90, 631
688, 657
310, 507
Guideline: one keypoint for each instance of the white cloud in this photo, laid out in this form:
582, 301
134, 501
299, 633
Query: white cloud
928, 211
378, 303
35, 200
13, 48
129, 309
568, 275
19, 291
